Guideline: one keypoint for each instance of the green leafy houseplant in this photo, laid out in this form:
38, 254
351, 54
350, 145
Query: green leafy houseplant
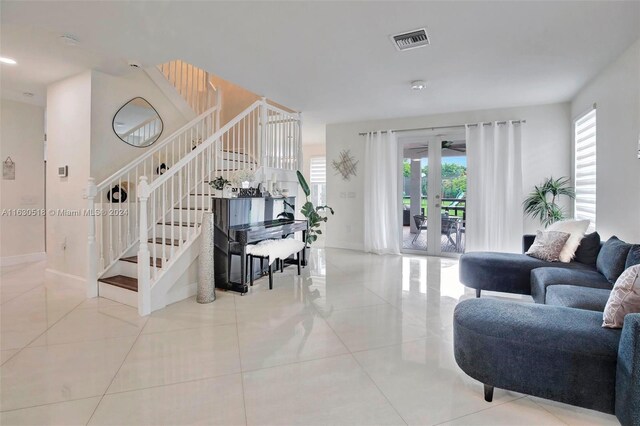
315, 214
541, 202
219, 183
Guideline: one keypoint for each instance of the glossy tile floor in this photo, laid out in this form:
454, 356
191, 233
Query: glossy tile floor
358, 339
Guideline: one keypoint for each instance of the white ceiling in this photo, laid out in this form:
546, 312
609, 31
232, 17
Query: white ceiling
332, 60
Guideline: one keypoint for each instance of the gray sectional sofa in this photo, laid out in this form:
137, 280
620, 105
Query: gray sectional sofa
555, 348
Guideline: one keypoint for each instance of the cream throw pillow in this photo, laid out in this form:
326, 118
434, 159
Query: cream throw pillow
576, 229
624, 298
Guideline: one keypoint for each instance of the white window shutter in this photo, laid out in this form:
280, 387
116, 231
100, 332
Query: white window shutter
585, 167
318, 172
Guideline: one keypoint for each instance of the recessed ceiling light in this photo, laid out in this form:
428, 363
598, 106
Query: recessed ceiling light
69, 39
418, 85
27, 94
9, 61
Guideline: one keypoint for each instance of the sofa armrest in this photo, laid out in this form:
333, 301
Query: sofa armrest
628, 372
527, 241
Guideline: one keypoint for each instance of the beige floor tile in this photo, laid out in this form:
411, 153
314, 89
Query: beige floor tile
70, 413
83, 325
190, 314
423, 382
56, 373
375, 326
522, 412
297, 338
177, 356
576, 416
327, 391
216, 401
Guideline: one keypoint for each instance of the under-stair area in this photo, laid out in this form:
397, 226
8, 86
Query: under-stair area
145, 255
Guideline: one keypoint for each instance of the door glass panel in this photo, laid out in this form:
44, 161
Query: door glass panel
414, 200
453, 191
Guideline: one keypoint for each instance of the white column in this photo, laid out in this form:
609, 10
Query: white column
144, 261
92, 267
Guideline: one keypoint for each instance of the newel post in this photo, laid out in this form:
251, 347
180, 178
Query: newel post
92, 252
144, 262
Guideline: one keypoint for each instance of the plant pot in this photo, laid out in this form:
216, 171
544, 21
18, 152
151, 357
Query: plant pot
217, 193
227, 192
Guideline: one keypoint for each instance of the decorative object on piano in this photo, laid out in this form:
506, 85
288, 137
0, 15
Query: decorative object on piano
118, 194
315, 214
206, 277
161, 169
195, 143
222, 187
346, 165
242, 178
249, 193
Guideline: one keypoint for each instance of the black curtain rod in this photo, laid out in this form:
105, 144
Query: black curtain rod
459, 126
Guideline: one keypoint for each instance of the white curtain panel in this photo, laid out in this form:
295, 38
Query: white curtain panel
381, 211
494, 193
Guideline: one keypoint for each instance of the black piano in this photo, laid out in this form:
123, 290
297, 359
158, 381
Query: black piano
242, 221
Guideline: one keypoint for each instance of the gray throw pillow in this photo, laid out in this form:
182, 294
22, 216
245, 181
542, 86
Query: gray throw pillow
548, 245
624, 298
612, 258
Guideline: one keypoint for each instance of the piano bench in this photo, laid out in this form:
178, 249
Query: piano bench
275, 251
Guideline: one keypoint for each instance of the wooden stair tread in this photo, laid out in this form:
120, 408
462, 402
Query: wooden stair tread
134, 259
122, 282
189, 208
167, 241
190, 224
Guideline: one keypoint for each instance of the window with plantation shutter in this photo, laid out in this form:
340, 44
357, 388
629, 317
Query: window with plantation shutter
585, 167
318, 170
318, 180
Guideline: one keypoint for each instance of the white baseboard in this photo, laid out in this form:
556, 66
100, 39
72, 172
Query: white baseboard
58, 277
345, 246
181, 293
22, 258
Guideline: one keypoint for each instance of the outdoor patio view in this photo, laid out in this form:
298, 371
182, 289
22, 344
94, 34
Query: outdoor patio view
453, 189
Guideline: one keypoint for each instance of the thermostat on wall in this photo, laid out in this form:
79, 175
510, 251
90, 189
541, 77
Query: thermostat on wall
63, 171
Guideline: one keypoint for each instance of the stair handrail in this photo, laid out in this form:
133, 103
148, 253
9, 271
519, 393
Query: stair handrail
204, 145
158, 146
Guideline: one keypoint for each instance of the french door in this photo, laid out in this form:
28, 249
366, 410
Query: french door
434, 186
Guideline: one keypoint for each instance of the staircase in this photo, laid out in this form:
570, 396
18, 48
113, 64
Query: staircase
140, 248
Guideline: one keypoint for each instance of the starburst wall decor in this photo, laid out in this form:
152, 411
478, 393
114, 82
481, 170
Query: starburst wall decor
346, 165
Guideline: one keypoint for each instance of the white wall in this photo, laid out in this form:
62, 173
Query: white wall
68, 143
108, 94
80, 134
616, 91
546, 151
22, 139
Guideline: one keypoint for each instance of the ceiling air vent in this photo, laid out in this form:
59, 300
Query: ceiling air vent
411, 39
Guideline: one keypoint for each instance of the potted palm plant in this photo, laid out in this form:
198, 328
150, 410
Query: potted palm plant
541, 202
220, 184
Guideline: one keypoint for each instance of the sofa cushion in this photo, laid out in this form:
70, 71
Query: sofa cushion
507, 272
542, 278
548, 245
633, 258
588, 249
548, 351
612, 258
579, 297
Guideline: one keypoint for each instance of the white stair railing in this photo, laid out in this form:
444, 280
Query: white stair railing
193, 83
114, 200
282, 136
185, 185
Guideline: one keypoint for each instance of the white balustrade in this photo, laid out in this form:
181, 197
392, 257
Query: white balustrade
168, 200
